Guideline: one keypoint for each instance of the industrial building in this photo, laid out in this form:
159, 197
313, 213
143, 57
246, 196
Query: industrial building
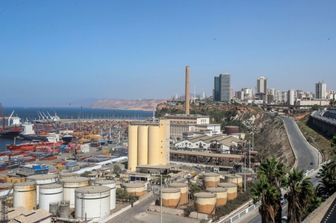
148, 144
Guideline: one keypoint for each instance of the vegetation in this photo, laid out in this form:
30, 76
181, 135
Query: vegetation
232, 205
324, 145
122, 195
267, 189
327, 177
300, 194
272, 177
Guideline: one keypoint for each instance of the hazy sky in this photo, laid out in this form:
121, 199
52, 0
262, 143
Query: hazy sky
56, 52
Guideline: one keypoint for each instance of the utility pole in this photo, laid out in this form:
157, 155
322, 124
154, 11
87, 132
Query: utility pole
161, 198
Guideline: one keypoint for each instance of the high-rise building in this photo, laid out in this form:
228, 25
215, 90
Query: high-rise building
262, 88
320, 90
291, 97
222, 88
187, 90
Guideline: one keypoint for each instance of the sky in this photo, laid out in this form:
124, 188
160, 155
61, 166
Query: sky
53, 53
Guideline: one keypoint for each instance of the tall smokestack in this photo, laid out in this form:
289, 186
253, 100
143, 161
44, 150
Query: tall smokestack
187, 90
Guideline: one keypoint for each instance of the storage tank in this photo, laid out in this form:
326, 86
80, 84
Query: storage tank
14, 179
69, 186
170, 197
67, 175
53, 208
235, 179
25, 195
205, 202
92, 202
154, 151
221, 195
135, 189
231, 190
211, 180
142, 145
164, 137
231, 130
184, 192
111, 184
64, 209
42, 179
6, 189
132, 147
50, 193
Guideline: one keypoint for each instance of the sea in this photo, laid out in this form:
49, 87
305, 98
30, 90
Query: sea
30, 114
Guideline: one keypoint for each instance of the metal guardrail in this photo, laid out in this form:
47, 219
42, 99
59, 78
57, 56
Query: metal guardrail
238, 215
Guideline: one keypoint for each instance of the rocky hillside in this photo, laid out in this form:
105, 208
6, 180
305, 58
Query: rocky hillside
271, 139
144, 105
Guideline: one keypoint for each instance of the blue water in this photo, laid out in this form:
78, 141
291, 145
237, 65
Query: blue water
80, 113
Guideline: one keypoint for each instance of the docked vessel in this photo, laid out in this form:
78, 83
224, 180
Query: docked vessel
13, 128
33, 146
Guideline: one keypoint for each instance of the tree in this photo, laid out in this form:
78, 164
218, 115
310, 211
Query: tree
268, 195
275, 173
327, 175
267, 189
300, 195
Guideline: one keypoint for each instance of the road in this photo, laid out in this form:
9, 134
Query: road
306, 155
128, 215
331, 214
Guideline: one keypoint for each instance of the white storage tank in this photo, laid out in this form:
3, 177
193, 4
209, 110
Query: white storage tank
6, 189
69, 186
67, 175
111, 184
92, 202
50, 193
25, 195
42, 179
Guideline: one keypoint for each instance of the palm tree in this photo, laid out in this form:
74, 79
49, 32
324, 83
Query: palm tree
268, 195
300, 194
327, 175
275, 173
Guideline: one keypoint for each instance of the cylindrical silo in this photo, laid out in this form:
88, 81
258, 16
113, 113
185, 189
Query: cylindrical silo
42, 179
135, 189
142, 145
25, 195
184, 192
69, 186
170, 197
221, 195
50, 193
132, 147
154, 150
92, 202
235, 179
164, 141
231, 190
6, 189
205, 203
111, 184
211, 180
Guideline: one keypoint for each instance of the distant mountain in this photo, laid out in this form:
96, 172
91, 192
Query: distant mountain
144, 105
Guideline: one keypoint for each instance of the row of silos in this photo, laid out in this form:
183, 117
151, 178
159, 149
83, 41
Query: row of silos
148, 144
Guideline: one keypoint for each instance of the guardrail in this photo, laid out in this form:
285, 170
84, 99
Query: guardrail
239, 214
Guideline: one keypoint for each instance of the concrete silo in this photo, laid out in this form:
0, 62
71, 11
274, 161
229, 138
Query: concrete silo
142, 145
132, 147
164, 141
154, 144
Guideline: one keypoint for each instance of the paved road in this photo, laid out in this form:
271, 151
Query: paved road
307, 156
128, 215
330, 216
307, 159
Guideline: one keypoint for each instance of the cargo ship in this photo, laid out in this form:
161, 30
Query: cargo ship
11, 131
